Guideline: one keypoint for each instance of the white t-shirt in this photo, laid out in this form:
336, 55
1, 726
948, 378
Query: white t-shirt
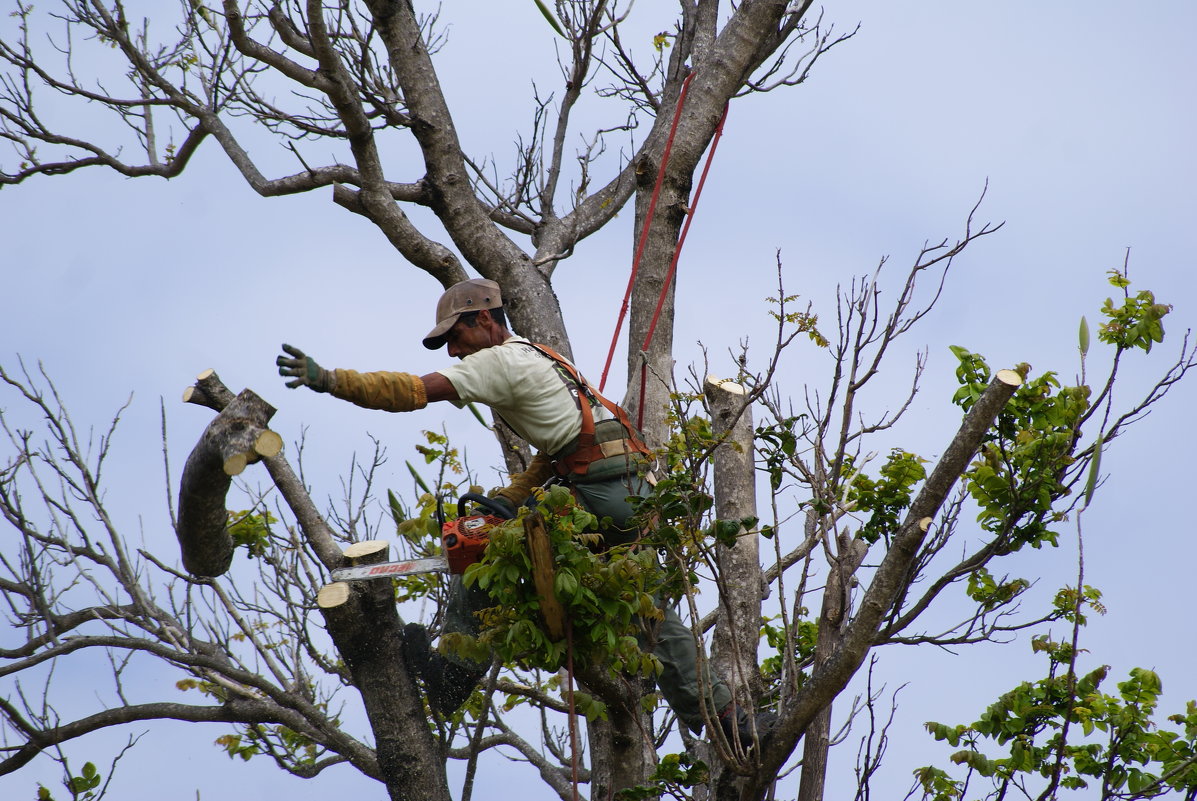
526, 388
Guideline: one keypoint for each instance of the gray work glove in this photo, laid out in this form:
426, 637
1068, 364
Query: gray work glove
304, 370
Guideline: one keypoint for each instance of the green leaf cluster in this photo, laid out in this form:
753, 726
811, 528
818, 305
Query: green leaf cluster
675, 775
251, 530
1070, 607
284, 745
1066, 726
438, 449
989, 593
1020, 473
805, 633
775, 445
235, 746
690, 436
281, 743
805, 322
419, 527
677, 516
208, 688
886, 498
81, 787
421, 533
1137, 322
606, 594
972, 373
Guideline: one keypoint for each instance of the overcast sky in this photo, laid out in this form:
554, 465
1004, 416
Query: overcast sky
1080, 117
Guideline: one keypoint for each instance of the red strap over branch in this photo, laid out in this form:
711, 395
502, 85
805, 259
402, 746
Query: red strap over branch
648, 218
677, 253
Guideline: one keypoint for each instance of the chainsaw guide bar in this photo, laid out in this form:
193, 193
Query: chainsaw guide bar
435, 564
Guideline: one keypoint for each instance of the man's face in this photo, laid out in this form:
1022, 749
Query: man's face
462, 339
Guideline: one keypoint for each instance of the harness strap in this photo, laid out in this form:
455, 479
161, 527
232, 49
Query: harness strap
588, 450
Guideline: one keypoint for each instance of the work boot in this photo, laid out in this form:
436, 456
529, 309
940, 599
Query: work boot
446, 683
735, 720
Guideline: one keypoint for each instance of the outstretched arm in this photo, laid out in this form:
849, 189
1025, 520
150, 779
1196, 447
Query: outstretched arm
438, 388
390, 391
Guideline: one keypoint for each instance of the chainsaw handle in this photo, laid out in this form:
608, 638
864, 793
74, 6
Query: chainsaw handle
489, 504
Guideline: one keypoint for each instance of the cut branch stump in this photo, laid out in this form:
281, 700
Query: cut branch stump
733, 649
364, 625
335, 596
236, 438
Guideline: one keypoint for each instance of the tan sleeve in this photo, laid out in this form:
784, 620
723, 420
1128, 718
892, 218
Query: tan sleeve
522, 484
391, 392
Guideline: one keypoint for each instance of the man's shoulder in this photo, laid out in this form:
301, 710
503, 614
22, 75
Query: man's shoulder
515, 348
512, 352
518, 352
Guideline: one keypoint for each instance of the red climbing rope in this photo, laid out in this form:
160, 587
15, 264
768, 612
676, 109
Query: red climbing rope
652, 207
677, 252
573, 714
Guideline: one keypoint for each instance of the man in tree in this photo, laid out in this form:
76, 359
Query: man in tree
583, 441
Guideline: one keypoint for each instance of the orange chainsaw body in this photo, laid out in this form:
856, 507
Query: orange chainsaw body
464, 540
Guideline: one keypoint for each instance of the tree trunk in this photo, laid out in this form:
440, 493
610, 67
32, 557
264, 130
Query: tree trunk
737, 631
619, 758
835, 608
364, 625
651, 382
720, 67
737, 627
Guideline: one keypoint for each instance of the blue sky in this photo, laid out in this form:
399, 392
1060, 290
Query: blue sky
1079, 116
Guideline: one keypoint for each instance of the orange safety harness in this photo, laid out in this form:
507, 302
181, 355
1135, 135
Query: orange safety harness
577, 462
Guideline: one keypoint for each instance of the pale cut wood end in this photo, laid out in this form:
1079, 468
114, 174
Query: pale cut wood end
727, 385
1009, 378
367, 551
332, 595
235, 465
268, 444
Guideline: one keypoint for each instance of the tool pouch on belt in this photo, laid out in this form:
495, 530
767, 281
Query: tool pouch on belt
613, 454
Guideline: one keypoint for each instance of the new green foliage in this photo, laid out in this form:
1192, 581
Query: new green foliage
251, 530
886, 498
1064, 731
1135, 323
606, 594
1030, 733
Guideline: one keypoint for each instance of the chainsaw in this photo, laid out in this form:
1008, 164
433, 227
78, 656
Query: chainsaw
463, 541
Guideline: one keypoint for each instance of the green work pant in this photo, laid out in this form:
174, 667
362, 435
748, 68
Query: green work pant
671, 640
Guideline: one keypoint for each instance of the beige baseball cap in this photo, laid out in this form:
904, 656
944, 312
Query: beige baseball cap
467, 296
